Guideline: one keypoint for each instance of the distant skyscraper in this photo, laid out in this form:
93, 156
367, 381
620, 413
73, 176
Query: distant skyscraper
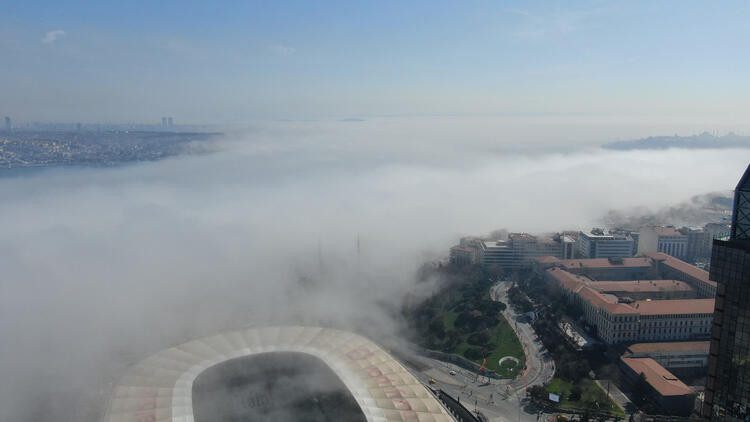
78, 127
170, 121
728, 384
163, 122
8, 124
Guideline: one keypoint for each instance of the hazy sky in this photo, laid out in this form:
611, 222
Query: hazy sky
206, 62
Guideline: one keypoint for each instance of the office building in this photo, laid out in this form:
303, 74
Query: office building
597, 244
463, 255
163, 122
663, 239
698, 243
8, 124
170, 121
727, 396
520, 250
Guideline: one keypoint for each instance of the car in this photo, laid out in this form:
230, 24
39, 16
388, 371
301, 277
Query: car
452, 372
432, 380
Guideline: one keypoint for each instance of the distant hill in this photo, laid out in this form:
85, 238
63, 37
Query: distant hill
702, 141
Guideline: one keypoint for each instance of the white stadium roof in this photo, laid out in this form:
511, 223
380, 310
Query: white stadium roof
160, 388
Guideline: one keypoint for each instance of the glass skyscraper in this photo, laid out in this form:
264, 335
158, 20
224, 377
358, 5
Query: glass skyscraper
727, 396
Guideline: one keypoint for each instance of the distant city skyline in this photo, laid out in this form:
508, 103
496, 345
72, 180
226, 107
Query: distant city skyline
204, 63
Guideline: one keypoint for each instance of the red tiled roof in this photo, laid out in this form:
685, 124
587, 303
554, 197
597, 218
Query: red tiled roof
662, 380
682, 266
604, 263
583, 287
673, 346
675, 307
641, 286
546, 259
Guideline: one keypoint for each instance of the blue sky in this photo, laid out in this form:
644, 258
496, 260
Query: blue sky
201, 62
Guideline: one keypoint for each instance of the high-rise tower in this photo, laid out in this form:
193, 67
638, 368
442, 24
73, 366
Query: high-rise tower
727, 396
8, 124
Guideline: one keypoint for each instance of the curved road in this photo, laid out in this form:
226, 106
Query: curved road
499, 400
540, 368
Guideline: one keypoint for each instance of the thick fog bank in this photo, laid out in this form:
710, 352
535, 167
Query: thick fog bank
287, 223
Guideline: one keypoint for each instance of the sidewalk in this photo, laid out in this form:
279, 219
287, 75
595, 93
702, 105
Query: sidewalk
614, 393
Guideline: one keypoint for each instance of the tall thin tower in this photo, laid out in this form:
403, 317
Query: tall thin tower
727, 396
8, 124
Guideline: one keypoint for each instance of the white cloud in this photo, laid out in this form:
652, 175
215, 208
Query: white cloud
281, 50
132, 259
52, 36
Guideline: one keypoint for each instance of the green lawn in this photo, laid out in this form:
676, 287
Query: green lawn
451, 303
507, 345
590, 394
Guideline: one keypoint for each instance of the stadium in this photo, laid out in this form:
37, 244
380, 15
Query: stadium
273, 373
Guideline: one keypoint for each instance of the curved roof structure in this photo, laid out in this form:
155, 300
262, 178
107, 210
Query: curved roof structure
161, 387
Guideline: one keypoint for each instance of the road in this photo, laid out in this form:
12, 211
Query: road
499, 400
540, 368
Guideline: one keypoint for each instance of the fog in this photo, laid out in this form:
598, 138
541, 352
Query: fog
287, 222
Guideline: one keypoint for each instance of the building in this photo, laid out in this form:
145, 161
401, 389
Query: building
620, 321
665, 390
670, 267
170, 121
163, 122
663, 239
273, 373
518, 251
673, 355
698, 244
496, 254
727, 396
718, 231
463, 255
645, 289
608, 269
8, 124
597, 244
568, 246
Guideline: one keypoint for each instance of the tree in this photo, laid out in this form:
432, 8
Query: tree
575, 393
478, 339
473, 353
436, 328
537, 393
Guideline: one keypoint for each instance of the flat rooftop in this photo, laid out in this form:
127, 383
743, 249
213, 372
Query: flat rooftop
606, 236
667, 231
